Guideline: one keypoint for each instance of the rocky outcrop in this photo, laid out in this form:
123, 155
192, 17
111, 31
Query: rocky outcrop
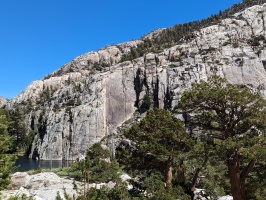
3, 102
47, 185
90, 97
42, 186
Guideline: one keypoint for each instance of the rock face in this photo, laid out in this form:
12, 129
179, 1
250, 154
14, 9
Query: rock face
3, 102
46, 185
42, 186
88, 98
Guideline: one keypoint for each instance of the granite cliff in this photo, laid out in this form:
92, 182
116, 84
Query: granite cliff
90, 97
3, 101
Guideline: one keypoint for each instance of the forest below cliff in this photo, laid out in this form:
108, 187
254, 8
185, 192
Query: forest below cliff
219, 147
222, 151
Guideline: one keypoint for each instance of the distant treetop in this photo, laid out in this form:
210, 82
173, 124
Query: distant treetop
183, 32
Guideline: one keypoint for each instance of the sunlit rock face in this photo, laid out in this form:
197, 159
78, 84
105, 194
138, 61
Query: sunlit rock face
88, 98
41, 186
3, 102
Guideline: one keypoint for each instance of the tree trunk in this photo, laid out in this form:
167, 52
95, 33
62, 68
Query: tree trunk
196, 175
88, 187
181, 174
237, 186
85, 183
194, 180
237, 178
169, 169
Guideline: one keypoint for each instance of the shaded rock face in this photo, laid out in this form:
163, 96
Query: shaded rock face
90, 97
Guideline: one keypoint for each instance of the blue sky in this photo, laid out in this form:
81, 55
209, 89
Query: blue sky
39, 36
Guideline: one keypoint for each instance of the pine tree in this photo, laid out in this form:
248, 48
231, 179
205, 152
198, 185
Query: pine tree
18, 130
6, 158
233, 119
159, 138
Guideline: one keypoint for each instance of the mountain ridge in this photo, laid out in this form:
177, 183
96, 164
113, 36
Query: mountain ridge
90, 97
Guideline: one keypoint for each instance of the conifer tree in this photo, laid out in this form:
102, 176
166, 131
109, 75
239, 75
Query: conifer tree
233, 118
159, 138
18, 130
6, 158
